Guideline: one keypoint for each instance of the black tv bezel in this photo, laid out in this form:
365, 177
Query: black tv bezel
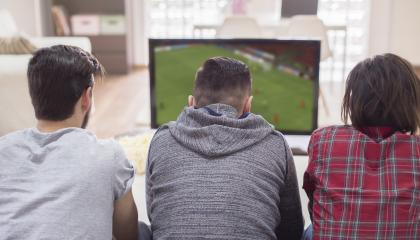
153, 42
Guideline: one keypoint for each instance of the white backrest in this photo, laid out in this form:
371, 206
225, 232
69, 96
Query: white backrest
239, 27
8, 26
310, 26
81, 42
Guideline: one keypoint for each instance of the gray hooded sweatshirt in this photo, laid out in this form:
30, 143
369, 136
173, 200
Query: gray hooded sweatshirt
212, 175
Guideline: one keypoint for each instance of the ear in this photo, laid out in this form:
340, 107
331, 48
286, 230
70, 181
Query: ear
248, 104
86, 100
191, 101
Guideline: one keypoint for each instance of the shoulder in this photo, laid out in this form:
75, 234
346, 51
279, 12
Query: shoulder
13, 142
108, 152
110, 143
324, 137
161, 137
110, 148
83, 136
105, 148
276, 143
278, 138
333, 131
408, 138
13, 136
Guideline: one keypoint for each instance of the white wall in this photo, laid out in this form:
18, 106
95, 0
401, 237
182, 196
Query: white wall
405, 35
140, 31
394, 27
23, 12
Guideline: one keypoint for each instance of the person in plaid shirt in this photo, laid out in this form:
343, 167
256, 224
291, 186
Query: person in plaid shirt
363, 179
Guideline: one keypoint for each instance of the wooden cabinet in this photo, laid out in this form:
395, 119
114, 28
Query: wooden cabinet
113, 51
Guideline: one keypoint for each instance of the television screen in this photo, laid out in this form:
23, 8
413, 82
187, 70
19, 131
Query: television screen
284, 77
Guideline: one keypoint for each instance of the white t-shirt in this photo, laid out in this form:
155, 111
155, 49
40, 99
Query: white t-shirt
60, 185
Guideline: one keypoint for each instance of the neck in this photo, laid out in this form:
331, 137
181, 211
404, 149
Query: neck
52, 126
219, 109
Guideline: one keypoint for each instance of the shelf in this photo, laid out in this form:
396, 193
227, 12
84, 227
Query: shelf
112, 50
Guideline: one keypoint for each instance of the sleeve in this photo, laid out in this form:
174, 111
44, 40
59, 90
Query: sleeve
309, 181
149, 193
123, 173
149, 171
292, 223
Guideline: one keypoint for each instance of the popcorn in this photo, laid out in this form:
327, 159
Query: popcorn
136, 149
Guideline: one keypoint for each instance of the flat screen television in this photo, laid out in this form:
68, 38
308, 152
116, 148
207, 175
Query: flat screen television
284, 77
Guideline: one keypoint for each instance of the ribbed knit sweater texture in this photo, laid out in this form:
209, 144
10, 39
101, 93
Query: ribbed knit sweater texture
212, 175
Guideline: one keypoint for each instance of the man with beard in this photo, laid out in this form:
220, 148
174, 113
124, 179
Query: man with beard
57, 180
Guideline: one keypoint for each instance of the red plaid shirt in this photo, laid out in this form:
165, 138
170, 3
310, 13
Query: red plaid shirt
364, 184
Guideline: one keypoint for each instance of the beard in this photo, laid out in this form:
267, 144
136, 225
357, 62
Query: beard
86, 119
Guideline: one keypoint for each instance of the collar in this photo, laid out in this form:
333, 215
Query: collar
378, 133
218, 110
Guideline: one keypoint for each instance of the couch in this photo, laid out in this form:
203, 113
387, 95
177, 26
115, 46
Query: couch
16, 110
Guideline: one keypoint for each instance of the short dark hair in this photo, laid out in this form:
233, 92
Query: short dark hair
57, 77
383, 91
222, 80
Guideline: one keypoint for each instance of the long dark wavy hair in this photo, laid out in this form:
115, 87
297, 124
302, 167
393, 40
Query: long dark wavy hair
383, 91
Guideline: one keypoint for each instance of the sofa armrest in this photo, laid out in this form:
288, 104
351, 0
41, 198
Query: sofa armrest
82, 42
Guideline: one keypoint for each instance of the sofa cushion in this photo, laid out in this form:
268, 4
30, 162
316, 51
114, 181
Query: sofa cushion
16, 45
81, 42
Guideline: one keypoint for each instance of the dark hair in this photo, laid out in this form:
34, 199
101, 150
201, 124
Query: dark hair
383, 91
222, 80
57, 77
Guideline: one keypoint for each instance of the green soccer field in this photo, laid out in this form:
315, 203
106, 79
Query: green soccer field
282, 99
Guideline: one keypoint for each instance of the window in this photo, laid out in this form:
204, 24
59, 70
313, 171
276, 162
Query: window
347, 20
176, 18
350, 46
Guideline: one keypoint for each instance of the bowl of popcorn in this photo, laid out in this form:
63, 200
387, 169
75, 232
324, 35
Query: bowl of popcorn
136, 147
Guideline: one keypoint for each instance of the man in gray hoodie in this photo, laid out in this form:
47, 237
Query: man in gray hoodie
219, 171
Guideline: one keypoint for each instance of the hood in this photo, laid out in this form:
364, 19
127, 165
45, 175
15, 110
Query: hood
216, 130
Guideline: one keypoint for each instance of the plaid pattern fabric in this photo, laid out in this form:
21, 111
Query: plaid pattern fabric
364, 184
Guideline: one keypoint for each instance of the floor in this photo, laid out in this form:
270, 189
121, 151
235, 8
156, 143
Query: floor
118, 102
